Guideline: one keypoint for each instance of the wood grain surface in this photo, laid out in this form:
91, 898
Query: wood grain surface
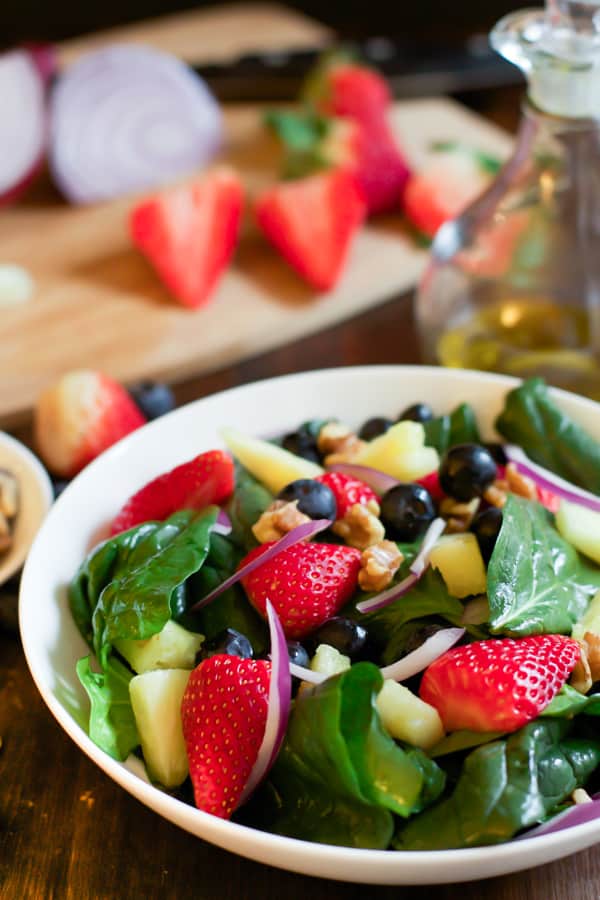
67, 832
98, 304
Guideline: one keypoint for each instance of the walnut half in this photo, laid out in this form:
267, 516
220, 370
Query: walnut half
379, 563
279, 518
359, 527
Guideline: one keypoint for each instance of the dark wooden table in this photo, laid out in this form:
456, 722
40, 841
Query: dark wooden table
67, 831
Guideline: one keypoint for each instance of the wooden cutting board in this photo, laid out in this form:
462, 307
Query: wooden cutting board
99, 305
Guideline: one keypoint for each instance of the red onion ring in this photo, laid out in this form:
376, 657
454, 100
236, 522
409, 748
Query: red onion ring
301, 533
549, 481
223, 524
127, 118
23, 122
376, 480
307, 674
280, 695
417, 568
430, 650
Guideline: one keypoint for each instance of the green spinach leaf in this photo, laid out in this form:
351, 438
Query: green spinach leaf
339, 775
550, 437
458, 427
112, 723
536, 581
248, 502
505, 786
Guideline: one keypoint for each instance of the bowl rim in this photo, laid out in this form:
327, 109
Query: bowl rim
381, 866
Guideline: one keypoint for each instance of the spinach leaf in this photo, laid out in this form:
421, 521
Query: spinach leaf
532, 420
248, 502
339, 775
459, 427
127, 584
387, 626
505, 786
536, 581
569, 702
112, 723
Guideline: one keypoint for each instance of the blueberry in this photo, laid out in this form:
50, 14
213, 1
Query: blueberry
372, 428
303, 444
486, 527
298, 654
406, 511
497, 453
466, 471
153, 398
227, 641
315, 500
346, 635
418, 412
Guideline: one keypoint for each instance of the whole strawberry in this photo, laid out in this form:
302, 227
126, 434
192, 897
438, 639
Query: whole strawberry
78, 417
307, 584
208, 478
498, 685
223, 715
348, 491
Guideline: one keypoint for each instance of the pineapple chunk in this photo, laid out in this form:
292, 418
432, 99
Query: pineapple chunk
156, 701
271, 465
459, 561
590, 620
581, 527
400, 452
408, 718
171, 648
329, 661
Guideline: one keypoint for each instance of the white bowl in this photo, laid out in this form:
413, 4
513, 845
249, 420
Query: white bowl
53, 645
35, 499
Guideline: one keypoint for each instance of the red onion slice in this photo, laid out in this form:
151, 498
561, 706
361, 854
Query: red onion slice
23, 122
578, 814
423, 656
127, 118
549, 481
307, 674
378, 481
301, 533
223, 524
417, 568
280, 695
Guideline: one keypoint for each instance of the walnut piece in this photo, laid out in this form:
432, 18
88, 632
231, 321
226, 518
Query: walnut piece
458, 515
592, 651
338, 443
497, 492
520, 484
359, 527
279, 518
379, 563
587, 668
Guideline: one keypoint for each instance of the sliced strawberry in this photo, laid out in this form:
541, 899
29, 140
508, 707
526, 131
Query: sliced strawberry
312, 221
443, 188
348, 491
206, 479
189, 233
223, 715
307, 584
78, 417
498, 685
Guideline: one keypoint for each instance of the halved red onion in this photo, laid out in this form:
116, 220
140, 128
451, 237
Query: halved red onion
432, 535
549, 481
280, 695
301, 533
417, 568
223, 524
378, 481
23, 122
575, 815
423, 656
127, 118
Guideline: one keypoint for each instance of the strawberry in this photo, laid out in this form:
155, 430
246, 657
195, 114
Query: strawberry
431, 483
343, 88
451, 180
498, 685
348, 491
223, 715
382, 172
312, 221
189, 233
78, 417
206, 479
307, 584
